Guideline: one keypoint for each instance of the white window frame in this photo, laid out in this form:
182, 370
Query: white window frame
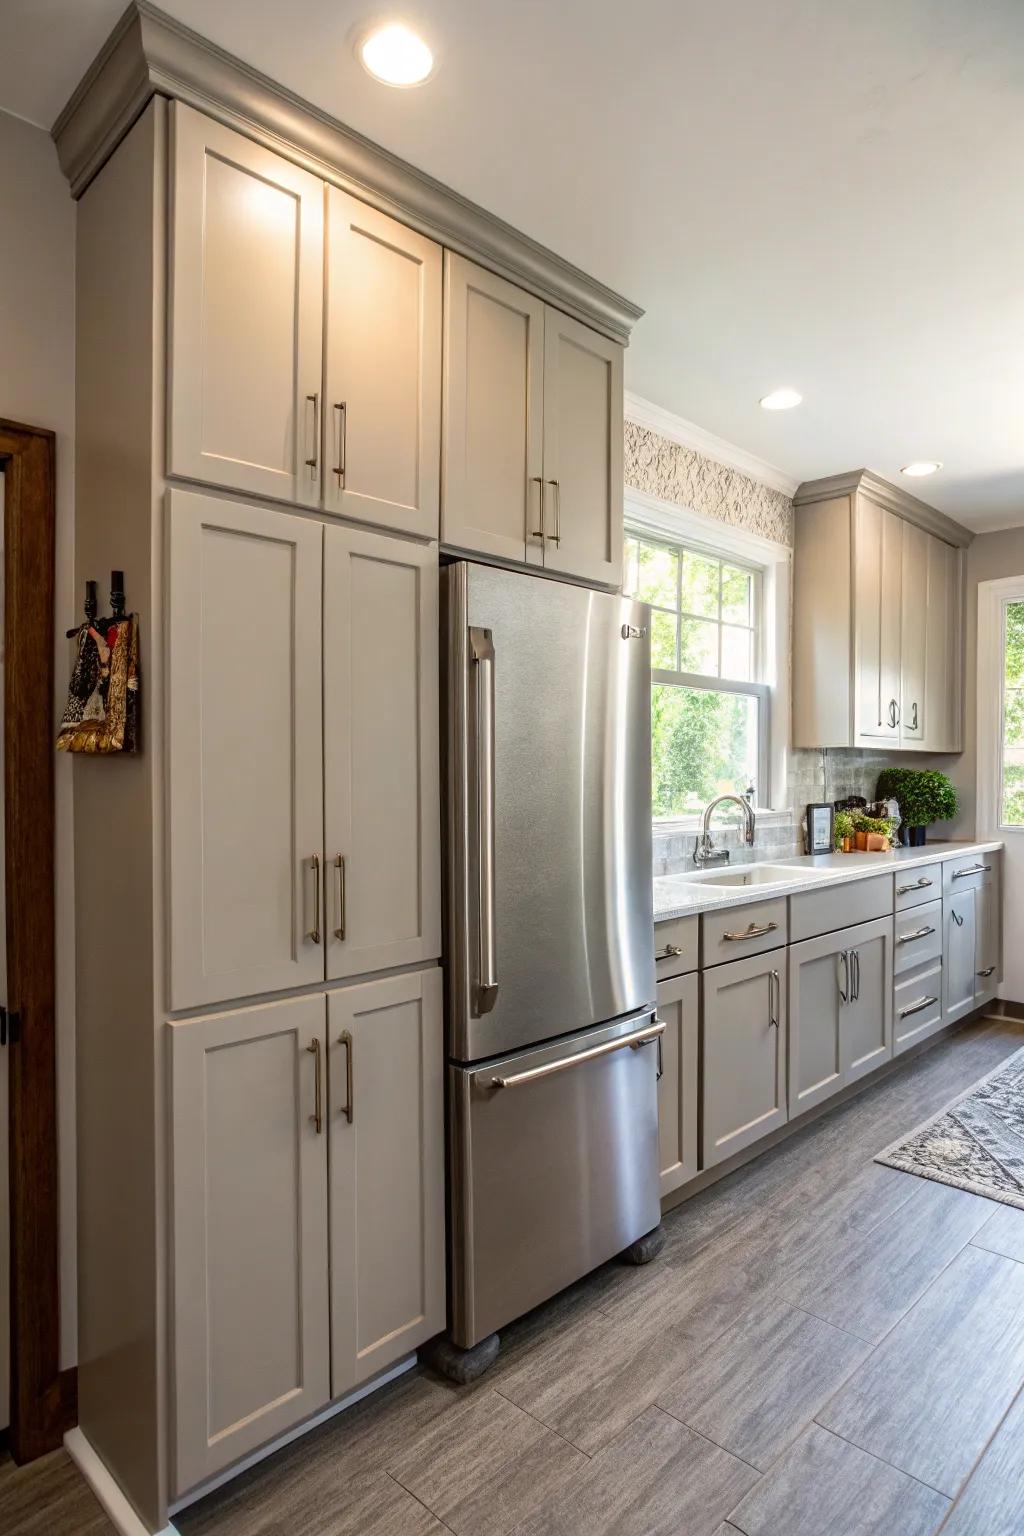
665, 521
993, 597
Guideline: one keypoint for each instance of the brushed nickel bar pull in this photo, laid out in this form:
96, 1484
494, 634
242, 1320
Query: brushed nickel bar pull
987, 971
339, 469
556, 537
339, 865
538, 533
955, 915
918, 885
753, 932
972, 869
317, 1116
345, 1039
922, 1002
855, 957
844, 990
481, 650
774, 999
314, 462
919, 933
314, 932
670, 952
534, 1074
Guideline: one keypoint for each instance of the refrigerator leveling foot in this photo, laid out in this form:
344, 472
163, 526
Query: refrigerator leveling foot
461, 1365
645, 1248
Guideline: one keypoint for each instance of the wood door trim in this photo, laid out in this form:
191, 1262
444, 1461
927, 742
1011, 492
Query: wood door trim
42, 1404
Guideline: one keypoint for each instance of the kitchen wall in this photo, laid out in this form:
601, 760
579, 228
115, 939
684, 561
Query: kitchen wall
675, 473
37, 388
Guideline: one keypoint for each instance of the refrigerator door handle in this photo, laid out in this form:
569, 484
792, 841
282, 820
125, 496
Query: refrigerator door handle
563, 1063
481, 650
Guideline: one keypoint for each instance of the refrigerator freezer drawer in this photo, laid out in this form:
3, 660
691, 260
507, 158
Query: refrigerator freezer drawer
554, 1168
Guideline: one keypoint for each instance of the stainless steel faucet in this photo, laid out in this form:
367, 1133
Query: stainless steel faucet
704, 850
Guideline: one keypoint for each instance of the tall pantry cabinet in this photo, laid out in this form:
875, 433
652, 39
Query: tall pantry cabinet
263, 355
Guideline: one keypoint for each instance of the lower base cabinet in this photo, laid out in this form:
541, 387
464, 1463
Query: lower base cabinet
249, 1192
840, 1010
307, 1146
679, 1083
386, 1118
744, 1079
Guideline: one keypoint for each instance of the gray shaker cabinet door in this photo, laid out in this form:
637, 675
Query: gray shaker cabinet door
958, 956
867, 1019
818, 979
678, 1085
385, 1124
382, 899
492, 458
245, 334
382, 352
745, 1022
250, 1330
245, 750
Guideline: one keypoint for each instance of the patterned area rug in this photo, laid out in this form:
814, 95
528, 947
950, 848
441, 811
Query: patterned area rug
975, 1143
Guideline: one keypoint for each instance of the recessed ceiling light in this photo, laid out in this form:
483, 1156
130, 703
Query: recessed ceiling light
395, 55
921, 467
781, 399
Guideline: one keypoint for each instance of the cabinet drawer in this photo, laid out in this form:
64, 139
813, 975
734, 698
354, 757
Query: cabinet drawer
918, 936
917, 886
675, 946
917, 1006
743, 931
969, 872
842, 906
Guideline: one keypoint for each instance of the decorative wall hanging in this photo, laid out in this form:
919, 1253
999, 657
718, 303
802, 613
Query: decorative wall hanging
102, 711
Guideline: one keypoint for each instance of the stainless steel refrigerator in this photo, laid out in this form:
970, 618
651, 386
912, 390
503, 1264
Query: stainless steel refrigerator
551, 1037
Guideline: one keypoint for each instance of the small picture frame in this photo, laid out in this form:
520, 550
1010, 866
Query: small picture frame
820, 828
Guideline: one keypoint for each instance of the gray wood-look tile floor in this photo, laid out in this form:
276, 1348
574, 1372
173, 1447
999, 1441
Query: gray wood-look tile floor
825, 1347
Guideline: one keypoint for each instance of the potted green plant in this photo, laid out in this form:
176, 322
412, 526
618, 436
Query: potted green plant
924, 796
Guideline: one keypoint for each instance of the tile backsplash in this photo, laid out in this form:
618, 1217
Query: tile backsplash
810, 779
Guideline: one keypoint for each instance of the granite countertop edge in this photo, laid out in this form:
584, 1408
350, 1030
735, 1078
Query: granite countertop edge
681, 895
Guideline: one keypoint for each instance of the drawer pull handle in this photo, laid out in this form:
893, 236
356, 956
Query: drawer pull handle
972, 869
844, 989
955, 915
918, 885
670, 952
341, 409
774, 999
314, 932
919, 933
987, 971
563, 1063
922, 1002
753, 932
339, 865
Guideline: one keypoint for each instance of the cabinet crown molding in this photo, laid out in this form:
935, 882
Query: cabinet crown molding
892, 497
149, 53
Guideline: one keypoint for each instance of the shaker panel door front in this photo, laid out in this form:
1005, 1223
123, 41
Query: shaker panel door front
249, 1193
492, 485
382, 410
245, 828
582, 451
387, 1172
679, 1083
382, 796
246, 313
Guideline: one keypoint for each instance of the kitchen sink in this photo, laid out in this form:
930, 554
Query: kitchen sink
757, 874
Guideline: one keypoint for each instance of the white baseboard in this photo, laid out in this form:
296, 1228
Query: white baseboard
119, 1512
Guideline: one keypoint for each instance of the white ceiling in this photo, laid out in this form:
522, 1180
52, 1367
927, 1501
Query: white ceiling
822, 193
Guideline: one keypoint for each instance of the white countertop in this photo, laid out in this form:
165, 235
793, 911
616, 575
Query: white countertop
682, 895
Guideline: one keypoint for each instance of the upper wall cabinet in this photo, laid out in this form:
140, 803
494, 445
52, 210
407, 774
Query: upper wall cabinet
382, 402
877, 618
532, 449
246, 314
